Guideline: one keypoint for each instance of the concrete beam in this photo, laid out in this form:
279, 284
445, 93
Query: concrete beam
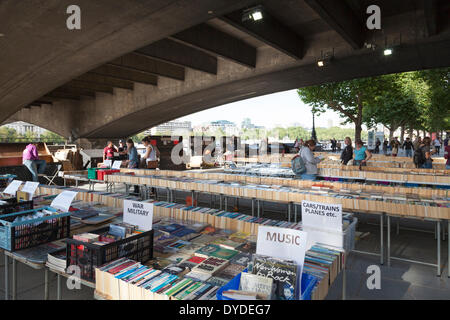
126, 74
174, 52
216, 42
341, 19
139, 62
270, 31
105, 80
370, 63
90, 86
60, 95
75, 91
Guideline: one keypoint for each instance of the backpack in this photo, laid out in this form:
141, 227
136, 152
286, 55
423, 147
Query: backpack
419, 157
298, 165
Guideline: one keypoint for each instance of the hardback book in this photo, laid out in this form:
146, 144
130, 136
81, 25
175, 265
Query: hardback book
201, 276
211, 265
242, 258
83, 214
259, 284
218, 281
247, 247
231, 271
284, 273
243, 295
227, 243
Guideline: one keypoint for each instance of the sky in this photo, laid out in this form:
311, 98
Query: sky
278, 109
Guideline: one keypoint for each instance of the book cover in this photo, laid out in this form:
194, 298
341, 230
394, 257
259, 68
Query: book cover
283, 272
258, 284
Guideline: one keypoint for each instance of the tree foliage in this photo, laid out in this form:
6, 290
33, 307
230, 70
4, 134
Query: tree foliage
347, 98
415, 100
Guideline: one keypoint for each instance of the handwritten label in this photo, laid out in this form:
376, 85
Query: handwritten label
63, 200
139, 214
12, 187
322, 215
30, 187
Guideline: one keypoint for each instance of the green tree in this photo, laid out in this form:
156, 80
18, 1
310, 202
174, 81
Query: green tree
436, 115
8, 134
137, 138
49, 136
397, 102
347, 98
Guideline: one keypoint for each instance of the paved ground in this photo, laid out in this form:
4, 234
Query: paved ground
402, 280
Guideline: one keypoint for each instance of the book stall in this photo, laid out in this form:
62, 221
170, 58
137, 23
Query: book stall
408, 204
176, 225
378, 160
189, 252
93, 175
381, 200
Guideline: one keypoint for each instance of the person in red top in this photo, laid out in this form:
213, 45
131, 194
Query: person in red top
447, 156
108, 152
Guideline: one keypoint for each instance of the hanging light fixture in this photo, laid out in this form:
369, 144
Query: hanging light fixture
254, 14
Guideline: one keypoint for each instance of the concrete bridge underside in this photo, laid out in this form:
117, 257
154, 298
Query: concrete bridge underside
136, 64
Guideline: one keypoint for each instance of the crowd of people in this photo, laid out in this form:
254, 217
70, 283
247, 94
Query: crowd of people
129, 156
421, 151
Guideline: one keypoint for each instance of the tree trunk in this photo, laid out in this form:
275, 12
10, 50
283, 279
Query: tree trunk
358, 130
402, 134
391, 134
410, 133
358, 122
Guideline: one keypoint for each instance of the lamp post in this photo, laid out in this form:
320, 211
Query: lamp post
313, 132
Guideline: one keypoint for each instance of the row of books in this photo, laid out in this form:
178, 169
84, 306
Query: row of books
386, 171
296, 183
188, 269
436, 207
390, 162
190, 244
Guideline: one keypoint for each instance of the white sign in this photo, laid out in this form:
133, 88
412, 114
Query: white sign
30, 187
138, 213
63, 200
12, 187
322, 215
283, 243
107, 163
117, 164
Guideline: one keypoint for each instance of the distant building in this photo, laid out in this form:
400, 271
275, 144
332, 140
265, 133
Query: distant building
22, 128
172, 127
247, 124
227, 126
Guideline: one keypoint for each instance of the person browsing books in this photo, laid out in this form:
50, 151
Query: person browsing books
361, 154
447, 156
122, 150
30, 159
347, 153
425, 148
133, 161
151, 152
306, 153
408, 147
108, 151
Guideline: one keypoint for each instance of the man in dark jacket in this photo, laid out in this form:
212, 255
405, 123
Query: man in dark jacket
408, 147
